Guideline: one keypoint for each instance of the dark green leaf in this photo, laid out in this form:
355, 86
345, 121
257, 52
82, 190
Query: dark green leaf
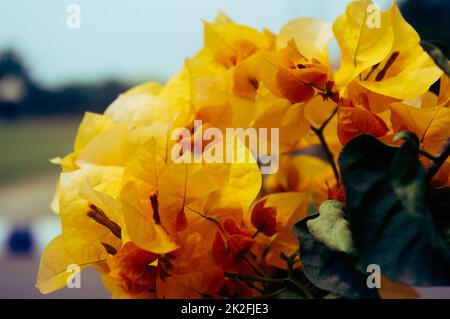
332, 228
329, 269
290, 295
386, 206
439, 203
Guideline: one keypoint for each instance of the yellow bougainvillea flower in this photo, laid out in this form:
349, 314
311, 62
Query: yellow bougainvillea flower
354, 121
132, 271
223, 75
305, 174
275, 112
288, 74
287, 208
371, 101
76, 247
154, 104
159, 219
193, 273
140, 225
431, 125
293, 76
444, 92
229, 43
384, 56
318, 111
87, 189
361, 46
91, 126
311, 37
215, 189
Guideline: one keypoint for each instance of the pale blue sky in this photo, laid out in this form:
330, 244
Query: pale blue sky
135, 39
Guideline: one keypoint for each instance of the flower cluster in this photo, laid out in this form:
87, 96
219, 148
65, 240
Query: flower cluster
155, 228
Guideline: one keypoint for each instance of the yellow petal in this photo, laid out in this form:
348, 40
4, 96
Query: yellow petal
430, 124
275, 112
413, 71
76, 247
153, 88
91, 126
241, 182
153, 104
318, 110
79, 189
303, 173
290, 207
182, 184
139, 225
116, 146
225, 38
215, 101
361, 46
444, 91
311, 37
412, 81
145, 167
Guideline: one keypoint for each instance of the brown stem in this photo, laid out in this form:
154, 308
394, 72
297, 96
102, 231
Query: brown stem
211, 219
253, 267
269, 295
251, 285
427, 155
436, 164
254, 278
320, 134
256, 232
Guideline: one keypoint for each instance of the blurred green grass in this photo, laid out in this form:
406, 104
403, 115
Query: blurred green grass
27, 145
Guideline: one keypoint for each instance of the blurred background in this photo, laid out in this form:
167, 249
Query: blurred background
50, 74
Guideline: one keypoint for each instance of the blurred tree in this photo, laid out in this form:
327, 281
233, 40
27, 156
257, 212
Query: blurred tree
20, 95
16, 88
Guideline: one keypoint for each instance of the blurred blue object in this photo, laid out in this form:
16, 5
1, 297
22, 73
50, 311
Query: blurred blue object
20, 241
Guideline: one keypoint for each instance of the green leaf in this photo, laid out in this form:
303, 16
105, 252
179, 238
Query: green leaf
386, 205
331, 227
329, 269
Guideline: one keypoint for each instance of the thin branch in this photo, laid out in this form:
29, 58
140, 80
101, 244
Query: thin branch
211, 219
320, 134
269, 295
256, 233
427, 155
251, 285
254, 278
253, 267
436, 164
325, 123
